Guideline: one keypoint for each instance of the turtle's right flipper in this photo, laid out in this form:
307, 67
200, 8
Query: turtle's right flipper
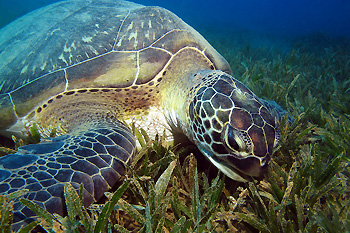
95, 156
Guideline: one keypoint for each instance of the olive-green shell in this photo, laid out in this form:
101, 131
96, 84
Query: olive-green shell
87, 44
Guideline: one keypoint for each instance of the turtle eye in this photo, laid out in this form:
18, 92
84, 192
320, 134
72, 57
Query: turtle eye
234, 140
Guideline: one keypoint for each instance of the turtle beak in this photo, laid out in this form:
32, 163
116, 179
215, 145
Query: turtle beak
239, 169
251, 166
240, 152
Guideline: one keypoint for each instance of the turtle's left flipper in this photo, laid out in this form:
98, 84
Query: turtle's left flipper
94, 155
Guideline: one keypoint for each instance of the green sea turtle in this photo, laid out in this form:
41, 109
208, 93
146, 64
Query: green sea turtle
83, 67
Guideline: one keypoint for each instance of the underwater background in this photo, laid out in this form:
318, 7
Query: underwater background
288, 17
296, 53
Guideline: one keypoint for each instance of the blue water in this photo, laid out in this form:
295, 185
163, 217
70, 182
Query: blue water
276, 17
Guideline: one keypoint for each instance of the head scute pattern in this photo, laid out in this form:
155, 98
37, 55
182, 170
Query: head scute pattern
229, 120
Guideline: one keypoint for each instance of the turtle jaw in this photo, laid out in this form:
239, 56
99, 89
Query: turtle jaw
228, 171
223, 166
236, 167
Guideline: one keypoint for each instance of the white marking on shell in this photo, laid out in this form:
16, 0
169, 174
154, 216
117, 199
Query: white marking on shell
120, 41
97, 25
54, 30
79, 58
147, 34
24, 69
42, 67
70, 58
142, 24
72, 45
65, 48
61, 57
93, 49
120, 27
131, 25
34, 68
137, 68
133, 35
65, 76
52, 66
149, 24
87, 39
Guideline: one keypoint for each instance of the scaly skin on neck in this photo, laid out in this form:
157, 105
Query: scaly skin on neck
176, 102
178, 81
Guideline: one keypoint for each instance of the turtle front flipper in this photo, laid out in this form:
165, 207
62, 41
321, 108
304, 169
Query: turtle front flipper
95, 156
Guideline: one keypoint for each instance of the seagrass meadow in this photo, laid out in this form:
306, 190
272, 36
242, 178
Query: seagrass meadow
175, 189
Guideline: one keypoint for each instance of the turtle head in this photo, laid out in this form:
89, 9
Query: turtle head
231, 126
